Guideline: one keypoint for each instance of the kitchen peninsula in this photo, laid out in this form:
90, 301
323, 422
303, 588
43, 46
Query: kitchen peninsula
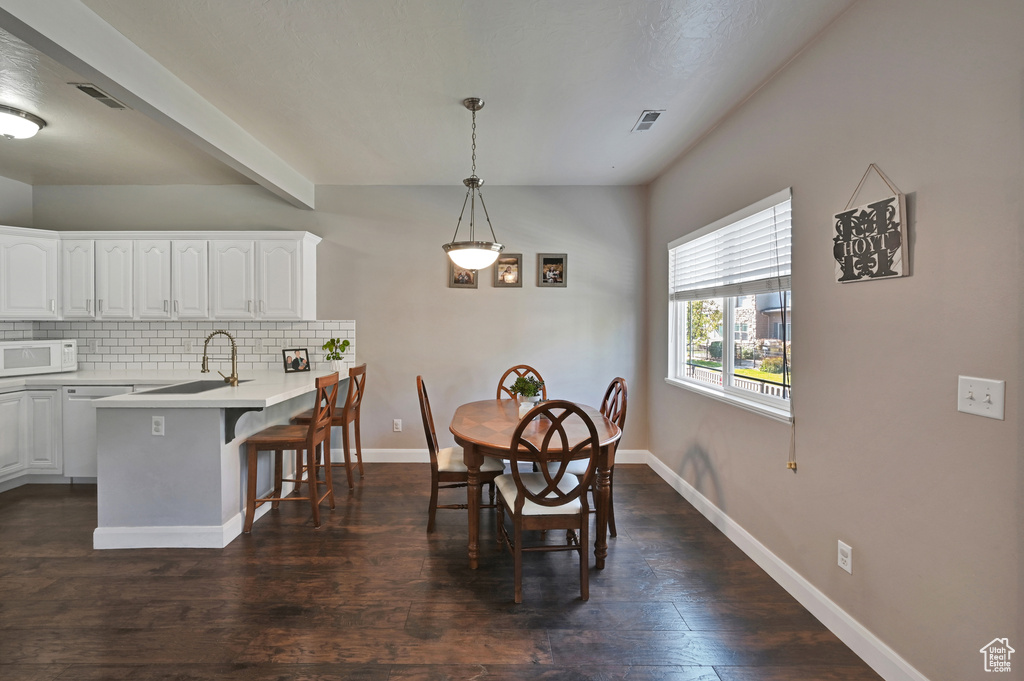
170, 469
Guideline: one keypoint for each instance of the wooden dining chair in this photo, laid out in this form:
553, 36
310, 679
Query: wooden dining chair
345, 415
447, 468
510, 376
305, 440
552, 498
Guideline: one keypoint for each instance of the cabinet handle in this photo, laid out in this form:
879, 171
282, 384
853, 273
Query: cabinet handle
261, 307
99, 306
175, 306
53, 305
248, 306
165, 305
88, 305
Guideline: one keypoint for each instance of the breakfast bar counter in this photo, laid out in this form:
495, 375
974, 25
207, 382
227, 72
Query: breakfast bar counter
170, 470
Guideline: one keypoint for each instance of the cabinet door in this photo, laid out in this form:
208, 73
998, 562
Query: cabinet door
77, 282
153, 279
12, 444
279, 279
190, 279
28, 277
114, 279
42, 433
232, 279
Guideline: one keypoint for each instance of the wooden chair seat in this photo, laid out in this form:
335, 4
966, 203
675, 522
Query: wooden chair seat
305, 440
450, 460
535, 482
348, 413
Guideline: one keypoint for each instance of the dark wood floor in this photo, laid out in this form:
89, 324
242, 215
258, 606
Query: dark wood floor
370, 596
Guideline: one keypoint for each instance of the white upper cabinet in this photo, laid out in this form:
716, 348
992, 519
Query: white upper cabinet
190, 282
279, 279
153, 278
233, 279
114, 283
78, 278
29, 274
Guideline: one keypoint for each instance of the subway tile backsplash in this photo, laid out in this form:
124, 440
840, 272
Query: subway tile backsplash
112, 346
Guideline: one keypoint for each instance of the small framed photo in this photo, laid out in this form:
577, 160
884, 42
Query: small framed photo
508, 271
461, 278
551, 269
296, 359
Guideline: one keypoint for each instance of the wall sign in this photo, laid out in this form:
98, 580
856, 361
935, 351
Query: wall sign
870, 241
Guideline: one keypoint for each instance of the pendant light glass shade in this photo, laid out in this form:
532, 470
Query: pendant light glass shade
18, 124
472, 254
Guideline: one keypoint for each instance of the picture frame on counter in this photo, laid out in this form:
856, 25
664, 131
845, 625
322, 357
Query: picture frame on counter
508, 271
295, 359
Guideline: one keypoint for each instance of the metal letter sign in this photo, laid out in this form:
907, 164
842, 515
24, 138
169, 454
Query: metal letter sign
869, 242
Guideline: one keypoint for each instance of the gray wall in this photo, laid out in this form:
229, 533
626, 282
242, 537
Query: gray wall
381, 264
15, 203
930, 499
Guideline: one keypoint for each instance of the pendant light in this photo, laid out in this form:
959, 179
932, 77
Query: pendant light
473, 254
18, 124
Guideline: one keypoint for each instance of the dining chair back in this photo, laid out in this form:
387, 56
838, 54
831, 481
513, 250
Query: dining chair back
510, 376
613, 407
552, 435
447, 466
305, 439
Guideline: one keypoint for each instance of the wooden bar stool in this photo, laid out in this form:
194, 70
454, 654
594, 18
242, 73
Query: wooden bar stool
306, 438
349, 413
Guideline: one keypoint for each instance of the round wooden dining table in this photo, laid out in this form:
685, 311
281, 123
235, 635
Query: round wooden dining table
485, 428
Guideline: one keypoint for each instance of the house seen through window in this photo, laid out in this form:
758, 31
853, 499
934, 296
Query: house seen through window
734, 274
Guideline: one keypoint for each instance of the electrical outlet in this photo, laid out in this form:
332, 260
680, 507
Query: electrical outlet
397, 425
981, 397
259, 345
189, 345
158, 426
846, 557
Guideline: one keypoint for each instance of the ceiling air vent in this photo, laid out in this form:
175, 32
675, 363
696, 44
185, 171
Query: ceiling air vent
647, 119
99, 95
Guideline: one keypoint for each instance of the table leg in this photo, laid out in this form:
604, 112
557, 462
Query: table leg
473, 460
603, 500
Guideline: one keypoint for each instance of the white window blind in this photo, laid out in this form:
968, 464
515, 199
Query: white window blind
745, 253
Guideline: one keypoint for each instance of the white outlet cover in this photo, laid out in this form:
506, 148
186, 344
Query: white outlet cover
981, 397
845, 558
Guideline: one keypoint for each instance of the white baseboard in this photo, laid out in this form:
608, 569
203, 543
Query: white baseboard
875, 653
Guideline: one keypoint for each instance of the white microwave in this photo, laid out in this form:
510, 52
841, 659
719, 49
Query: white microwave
23, 357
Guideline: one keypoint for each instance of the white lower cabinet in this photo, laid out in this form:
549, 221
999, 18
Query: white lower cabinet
31, 426
13, 454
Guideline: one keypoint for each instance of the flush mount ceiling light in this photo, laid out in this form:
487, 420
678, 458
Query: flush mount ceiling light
473, 254
18, 124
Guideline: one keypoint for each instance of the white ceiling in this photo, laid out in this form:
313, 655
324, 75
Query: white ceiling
368, 91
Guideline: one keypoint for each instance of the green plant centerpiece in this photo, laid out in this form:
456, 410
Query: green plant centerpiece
528, 387
335, 348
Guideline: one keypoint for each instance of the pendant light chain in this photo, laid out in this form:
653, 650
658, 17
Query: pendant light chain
474, 144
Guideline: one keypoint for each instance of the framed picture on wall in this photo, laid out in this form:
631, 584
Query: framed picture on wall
459, 277
551, 269
508, 271
295, 359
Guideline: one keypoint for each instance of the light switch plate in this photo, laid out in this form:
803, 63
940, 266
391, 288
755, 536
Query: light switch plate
981, 397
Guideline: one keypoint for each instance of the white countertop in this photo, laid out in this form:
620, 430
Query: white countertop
261, 389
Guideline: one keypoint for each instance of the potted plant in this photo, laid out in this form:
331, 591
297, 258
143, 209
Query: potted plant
528, 388
335, 348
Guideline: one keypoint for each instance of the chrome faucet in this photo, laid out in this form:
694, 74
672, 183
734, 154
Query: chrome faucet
233, 378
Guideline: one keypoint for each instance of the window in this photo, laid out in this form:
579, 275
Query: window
734, 274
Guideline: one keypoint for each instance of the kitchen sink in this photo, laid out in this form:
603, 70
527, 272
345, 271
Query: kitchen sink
191, 388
